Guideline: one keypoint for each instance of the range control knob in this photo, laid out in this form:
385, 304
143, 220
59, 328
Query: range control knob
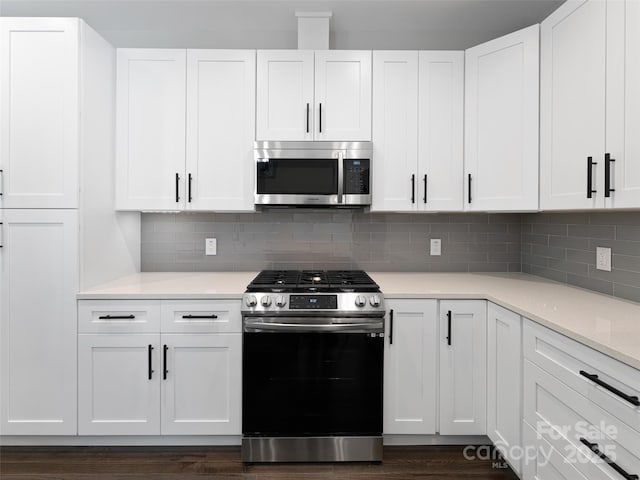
281, 301
374, 301
251, 301
360, 301
265, 301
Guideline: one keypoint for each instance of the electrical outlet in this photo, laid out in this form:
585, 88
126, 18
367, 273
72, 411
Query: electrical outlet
436, 246
210, 246
603, 258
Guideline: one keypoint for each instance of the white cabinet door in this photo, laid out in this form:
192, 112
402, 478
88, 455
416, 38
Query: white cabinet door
220, 129
410, 377
343, 95
39, 112
572, 104
119, 384
201, 393
501, 123
150, 129
395, 130
440, 133
463, 367
285, 109
504, 382
38, 327
623, 105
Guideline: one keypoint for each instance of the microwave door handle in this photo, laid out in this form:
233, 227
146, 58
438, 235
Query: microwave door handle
340, 176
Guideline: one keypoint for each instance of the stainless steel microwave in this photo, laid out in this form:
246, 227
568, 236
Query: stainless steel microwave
313, 173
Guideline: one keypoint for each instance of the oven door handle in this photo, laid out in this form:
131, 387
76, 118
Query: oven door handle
362, 327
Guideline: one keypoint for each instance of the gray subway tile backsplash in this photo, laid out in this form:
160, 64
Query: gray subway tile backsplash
558, 246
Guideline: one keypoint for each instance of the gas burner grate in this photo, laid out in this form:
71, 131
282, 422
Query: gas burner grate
313, 281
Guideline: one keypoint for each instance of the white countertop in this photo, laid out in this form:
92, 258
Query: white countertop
609, 325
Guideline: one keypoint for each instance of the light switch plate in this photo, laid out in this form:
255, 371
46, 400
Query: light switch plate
436, 246
210, 246
603, 258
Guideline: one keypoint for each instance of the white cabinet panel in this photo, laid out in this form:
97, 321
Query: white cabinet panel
39, 114
201, 316
220, 129
504, 382
118, 316
395, 130
119, 384
572, 104
440, 131
285, 108
38, 327
463, 367
343, 95
150, 129
201, 391
501, 123
410, 378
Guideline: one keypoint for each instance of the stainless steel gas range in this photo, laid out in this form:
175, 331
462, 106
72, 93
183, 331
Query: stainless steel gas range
312, 367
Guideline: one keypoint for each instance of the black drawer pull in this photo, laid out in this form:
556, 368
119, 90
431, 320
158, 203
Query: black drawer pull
469, 192
307, 118
633, 400
200, 316
149, 350
391, 327
449, 336
177, 187
590, 164
607, 175
116, 317
594, 448
425, 189
164, 362
413, 188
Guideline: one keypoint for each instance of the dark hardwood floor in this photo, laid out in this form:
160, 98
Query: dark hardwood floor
222, 463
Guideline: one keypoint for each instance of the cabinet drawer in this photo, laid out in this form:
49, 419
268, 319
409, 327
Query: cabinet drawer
201, 316
118, 316
543, 462
566, 359
567, 420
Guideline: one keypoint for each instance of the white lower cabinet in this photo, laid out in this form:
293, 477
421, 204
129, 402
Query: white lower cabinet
463, 367
136, 382
410, 377
504, 382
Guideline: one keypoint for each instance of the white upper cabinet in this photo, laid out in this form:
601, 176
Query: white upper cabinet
572, 105
186, 122
307, 95
285, 95
343, 95
150, 129
440, 130
39, 112
417, 131
220, 130
501, 123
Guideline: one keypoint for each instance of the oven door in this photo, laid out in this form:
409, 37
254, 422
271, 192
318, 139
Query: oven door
312, 383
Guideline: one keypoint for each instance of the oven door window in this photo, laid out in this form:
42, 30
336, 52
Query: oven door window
312, 384
291, 176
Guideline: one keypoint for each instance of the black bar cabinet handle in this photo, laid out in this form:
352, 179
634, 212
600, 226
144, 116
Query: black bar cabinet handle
595, 449
1, 223
413, 188
391, 327
200, 316
164, 362
425, 188
590, 164
116, 317
469, 193
149, 350
307, 118
320, 117
177, 187
607, 175
189, 189
449, 327
633, 400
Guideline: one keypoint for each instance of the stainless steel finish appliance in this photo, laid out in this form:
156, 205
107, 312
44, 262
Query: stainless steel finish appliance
323, 174
312, 367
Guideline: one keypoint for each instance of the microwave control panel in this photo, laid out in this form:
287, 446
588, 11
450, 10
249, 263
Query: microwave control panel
356, 176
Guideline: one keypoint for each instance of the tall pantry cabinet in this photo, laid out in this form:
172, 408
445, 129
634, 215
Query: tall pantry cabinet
59, 232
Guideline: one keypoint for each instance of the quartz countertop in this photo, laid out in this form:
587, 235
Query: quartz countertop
607, 324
